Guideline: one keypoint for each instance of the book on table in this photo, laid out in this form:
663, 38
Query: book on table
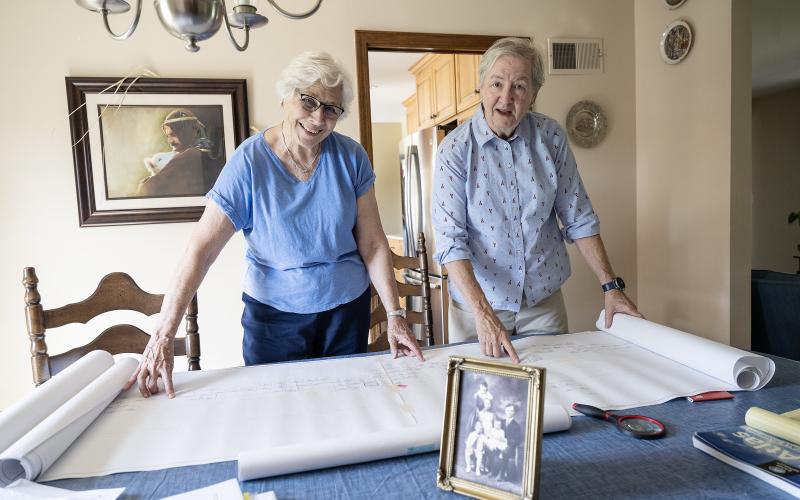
758, 453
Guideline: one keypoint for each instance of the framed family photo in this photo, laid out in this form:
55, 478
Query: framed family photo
148, 150
491, 440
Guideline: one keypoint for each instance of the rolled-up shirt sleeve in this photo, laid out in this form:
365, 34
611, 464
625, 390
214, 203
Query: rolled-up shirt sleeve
449, 207
233, 189
364, 174
572, 205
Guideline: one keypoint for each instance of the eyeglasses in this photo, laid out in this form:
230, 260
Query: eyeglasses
311, 104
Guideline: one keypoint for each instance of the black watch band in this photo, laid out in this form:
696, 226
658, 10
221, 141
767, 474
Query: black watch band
615, 284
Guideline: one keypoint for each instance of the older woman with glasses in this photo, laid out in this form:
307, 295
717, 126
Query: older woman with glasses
303, 196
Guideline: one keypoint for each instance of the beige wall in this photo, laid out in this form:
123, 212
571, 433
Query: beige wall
37, 192
776, 180
690, 189
386, 139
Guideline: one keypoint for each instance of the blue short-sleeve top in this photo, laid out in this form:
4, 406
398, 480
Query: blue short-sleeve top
301, 254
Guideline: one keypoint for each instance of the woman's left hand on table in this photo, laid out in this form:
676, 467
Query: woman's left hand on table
402, 341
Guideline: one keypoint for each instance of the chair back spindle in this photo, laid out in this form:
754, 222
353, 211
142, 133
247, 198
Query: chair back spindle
407, 289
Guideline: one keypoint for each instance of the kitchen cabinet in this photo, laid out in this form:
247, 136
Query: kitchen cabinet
425, 98
444, 80
425, 95
446, 86
412, 114
436, 94
467, 81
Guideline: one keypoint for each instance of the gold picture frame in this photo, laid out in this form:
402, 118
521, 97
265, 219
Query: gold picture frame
493, 451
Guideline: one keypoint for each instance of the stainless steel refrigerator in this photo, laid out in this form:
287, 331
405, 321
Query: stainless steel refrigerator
417, 160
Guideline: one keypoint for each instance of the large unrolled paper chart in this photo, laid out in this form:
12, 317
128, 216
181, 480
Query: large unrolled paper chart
301, 457
741, 369
36, 450
390, 406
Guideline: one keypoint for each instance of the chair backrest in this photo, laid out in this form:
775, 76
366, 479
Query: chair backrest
116, 291
407, 289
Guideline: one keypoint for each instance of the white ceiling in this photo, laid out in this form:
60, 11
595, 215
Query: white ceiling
390, 84
776, 45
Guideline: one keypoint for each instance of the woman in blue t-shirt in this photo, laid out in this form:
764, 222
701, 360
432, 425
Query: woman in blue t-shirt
303, 197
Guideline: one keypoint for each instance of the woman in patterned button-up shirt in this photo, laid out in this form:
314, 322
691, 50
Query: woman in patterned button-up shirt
503, 182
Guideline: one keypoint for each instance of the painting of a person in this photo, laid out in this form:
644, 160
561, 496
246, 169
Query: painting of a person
190, 168
303, 195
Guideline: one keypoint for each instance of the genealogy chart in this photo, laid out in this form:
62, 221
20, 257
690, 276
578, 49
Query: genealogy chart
330, 405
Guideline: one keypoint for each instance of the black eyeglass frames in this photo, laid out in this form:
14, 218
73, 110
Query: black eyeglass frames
311, 104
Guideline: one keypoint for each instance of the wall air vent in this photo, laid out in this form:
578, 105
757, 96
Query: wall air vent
575, 56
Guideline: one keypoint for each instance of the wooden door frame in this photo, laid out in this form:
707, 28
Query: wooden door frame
393, 41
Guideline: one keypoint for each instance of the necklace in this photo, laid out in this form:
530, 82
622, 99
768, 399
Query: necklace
304, 169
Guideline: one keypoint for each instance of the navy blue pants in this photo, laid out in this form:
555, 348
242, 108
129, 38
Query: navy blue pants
271, 335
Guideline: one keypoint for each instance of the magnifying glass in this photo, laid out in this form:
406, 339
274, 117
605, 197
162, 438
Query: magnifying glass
637, 426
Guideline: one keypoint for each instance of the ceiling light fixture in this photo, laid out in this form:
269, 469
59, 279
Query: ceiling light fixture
193, 20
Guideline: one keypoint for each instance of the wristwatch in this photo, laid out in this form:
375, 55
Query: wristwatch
615, 284
396, 312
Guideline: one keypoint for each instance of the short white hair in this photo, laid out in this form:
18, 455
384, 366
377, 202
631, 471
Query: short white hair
515, 47
313, 67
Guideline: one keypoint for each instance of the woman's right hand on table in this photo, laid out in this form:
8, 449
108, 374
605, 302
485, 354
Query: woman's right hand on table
158, 360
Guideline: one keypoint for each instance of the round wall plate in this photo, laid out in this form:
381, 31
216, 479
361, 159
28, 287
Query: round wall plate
673, 4
586, 124
676, 41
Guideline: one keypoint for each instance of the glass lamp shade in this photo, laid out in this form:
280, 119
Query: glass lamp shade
112, 6
190, 20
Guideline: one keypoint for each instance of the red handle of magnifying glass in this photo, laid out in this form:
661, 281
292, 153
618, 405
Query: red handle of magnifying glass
591, 411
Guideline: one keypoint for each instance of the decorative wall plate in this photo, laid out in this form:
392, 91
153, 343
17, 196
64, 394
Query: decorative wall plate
586, 124
676, 41
673, 4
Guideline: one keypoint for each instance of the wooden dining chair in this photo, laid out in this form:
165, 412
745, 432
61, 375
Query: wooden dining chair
378, 340
116, 291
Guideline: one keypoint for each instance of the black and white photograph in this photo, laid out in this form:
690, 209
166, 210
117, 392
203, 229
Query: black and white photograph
490, 435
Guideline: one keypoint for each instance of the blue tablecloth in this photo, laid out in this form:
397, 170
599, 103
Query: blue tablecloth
591, 460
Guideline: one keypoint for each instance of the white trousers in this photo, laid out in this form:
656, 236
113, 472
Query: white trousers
547, 316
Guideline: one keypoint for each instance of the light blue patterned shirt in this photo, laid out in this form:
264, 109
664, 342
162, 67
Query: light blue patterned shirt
498, 203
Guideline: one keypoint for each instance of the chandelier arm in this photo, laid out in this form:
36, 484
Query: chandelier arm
246, 29
290, 15
131, 28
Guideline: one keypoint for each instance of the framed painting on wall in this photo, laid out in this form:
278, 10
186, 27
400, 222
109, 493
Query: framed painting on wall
148, 150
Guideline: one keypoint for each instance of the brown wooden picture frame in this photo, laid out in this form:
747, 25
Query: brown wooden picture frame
520, 387
225, 97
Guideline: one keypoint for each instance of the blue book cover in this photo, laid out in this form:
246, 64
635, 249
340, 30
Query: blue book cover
762, 455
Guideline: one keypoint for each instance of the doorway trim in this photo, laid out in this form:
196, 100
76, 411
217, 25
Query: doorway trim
394, 41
